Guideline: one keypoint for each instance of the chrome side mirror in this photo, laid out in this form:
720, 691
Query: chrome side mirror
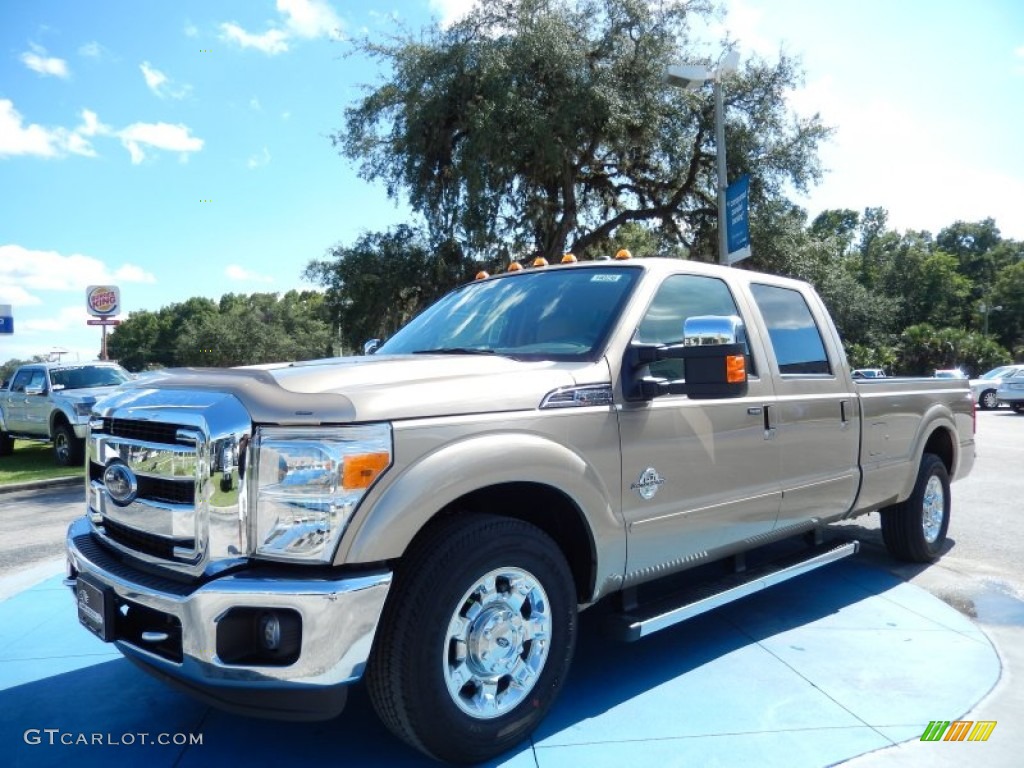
712, 330
369, 347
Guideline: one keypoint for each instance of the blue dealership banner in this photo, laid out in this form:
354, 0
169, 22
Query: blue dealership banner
737, 230
6, 319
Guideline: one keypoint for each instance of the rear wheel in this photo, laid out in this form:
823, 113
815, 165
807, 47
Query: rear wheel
915, 530
476, 639
1017, 407
6, 444
67, 448
988, 400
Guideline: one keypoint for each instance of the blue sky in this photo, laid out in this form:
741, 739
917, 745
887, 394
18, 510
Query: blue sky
178, 149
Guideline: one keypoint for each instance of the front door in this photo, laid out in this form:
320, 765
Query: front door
696, 474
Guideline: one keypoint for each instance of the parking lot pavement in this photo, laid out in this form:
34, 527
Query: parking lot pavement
813, 672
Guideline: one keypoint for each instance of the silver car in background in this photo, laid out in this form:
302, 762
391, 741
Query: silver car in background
1011, 390
985, 388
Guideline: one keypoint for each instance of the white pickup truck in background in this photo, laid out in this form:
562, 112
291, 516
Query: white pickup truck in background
52, 402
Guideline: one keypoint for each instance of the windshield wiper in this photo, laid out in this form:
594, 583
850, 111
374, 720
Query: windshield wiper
455, 351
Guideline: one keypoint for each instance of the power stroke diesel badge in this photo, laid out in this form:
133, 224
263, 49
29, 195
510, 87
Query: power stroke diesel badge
648, 483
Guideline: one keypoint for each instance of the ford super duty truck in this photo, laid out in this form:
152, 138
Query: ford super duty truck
432, 518
52, 402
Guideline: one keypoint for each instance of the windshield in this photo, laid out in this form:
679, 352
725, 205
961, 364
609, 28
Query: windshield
555, 314
84, 376
998, 373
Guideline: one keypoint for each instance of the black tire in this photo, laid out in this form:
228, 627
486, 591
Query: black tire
67, 449
915, 530
6, 444
988, 400
1017, 407
440, 631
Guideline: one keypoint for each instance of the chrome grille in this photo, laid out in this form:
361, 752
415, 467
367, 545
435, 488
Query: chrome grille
180, 448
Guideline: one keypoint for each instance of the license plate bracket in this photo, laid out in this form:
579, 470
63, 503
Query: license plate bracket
96, 608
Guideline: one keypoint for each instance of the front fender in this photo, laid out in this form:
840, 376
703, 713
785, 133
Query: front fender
390, 520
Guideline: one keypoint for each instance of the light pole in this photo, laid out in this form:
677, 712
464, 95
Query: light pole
691, 77
985, 309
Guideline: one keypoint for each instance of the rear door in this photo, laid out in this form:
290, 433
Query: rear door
815, 420
696, 474
17, 406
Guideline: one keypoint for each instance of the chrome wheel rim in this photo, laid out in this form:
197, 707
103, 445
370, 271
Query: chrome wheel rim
63, 448
990, 400
933, 509
497, 643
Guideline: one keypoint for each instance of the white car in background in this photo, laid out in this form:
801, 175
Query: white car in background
985, 387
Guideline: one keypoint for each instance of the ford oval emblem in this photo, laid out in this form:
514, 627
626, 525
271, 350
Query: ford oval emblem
121, 484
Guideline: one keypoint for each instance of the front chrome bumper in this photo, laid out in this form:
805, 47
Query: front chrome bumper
339, 620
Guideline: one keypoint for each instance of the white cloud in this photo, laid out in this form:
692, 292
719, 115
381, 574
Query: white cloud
241, 274
286, 115
271, 42
67, 319
191, 30
259, 160
451, 11
161, 84
19, 139
174, 138
92, 50
24, 271
17, 296
305, 19
255, 105
882, 139
38, 61
310, 18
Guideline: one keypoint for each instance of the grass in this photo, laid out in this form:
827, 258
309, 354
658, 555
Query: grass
33, 461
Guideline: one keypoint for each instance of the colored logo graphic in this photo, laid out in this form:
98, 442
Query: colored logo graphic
959, 730
103, 300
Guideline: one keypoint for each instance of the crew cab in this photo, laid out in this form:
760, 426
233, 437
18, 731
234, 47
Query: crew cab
52, 402
433, 517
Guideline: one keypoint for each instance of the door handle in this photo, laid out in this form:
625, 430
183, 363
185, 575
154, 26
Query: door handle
769, 423
844, 418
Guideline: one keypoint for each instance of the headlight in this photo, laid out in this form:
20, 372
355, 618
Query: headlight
83, 409
308, 482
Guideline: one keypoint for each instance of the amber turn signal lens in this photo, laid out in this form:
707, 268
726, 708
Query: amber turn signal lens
735, 369
362, 469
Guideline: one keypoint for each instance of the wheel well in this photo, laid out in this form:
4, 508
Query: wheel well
940, 442
57, 420
545, 507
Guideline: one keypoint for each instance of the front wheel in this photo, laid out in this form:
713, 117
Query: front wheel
1017, 407
67, 448
476, 638
915, 530
988, 400
6, 444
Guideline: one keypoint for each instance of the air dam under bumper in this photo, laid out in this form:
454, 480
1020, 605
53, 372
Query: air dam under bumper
338, 622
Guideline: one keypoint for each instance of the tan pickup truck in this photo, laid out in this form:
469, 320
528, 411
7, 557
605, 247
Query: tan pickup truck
433, 517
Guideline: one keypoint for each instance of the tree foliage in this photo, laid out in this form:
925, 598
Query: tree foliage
237, 330
379, 283
540, 126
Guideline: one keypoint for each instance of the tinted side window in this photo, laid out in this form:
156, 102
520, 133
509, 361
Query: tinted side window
791, 327
21, 380
681, 297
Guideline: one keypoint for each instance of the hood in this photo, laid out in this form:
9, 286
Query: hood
83, 395
384, 388
416, 386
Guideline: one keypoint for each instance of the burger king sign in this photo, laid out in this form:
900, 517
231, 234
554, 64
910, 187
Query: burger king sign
103, 300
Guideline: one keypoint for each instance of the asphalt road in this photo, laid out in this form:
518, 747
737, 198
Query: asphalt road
982, 563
